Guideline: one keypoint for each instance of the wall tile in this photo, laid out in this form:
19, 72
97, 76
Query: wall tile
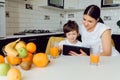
22, 18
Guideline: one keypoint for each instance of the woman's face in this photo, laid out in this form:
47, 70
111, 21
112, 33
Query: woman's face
89, 22
72, 36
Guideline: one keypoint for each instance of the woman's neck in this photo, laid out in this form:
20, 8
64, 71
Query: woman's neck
91, 29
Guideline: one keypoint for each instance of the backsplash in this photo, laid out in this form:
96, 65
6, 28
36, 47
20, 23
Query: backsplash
19, 18
21, 15
110, 17
114, 16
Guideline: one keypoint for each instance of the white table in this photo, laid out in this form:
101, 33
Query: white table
75, 68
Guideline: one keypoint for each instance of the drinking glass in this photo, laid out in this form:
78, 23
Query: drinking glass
94, 54
54, 49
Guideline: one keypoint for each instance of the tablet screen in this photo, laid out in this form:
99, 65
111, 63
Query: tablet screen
68, 48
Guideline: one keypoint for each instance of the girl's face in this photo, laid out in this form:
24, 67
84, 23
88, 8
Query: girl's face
72, 36
89, 22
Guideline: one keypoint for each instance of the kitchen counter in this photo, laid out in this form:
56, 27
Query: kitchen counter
30, 35
40, 40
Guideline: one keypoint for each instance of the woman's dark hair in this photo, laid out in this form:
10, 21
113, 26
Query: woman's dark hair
94, 12
70, 26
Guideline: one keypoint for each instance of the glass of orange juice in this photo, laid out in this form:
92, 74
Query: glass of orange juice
54, 49
95, 55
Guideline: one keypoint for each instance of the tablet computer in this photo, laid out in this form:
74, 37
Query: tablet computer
68, 48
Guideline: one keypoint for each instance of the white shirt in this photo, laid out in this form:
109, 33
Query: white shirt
94, 37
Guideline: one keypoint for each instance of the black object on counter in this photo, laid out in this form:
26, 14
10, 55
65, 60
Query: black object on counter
118, 23
19, 34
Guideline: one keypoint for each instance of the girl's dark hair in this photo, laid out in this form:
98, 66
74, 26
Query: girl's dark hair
94, 12
70, 26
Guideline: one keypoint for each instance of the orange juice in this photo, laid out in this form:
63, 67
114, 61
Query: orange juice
94, 59
54, 51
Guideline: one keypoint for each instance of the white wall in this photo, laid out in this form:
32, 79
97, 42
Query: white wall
113, 13
21, 18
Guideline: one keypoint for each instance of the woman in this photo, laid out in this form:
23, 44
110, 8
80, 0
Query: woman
94, 31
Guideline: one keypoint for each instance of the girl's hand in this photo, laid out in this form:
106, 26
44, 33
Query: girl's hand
72, 53
82, 53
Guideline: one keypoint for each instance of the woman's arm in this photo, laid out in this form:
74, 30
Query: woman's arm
106, 43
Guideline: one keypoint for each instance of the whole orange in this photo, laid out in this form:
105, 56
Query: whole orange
31, 47
2, 59
40, 59
29, 57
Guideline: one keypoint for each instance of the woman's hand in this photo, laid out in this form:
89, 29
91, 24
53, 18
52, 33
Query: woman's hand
82, 53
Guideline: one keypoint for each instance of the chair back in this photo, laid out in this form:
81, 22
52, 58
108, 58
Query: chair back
52, 39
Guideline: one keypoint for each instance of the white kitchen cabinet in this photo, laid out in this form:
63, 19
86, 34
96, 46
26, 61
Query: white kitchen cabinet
71, 4
84, 3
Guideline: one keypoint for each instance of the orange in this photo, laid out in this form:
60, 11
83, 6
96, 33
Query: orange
2, 59
31, 47
29, 57
13, 60
94, 59
40, 60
